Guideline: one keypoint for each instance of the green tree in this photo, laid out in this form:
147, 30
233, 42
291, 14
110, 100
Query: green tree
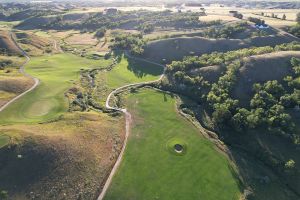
100, 33
239, 120
3, 195
298, 18
283, 17
221, 115
290, 164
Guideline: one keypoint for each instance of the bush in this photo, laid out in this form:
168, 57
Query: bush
100, 33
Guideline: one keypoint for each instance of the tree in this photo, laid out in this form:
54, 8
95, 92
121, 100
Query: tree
221, 114
298, 18
100, 33
3, 194
290, 164
283, 17
239, 120
273, 15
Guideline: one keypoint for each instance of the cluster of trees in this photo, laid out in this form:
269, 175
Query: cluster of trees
257, 21
219, 96
142, 20
295, 30
273, 15
226, 32
267, 108
4, 63
132, 42
100, 32
218, 58
146, 28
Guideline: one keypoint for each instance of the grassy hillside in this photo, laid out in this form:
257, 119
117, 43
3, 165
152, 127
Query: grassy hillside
167, 50
68, 158
34, 44
7, 46
12, 82
257, 69
151, 169
56, 73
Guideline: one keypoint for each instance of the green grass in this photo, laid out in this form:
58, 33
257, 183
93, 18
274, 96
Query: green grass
129, 70
149, 169
4, 140
47, 101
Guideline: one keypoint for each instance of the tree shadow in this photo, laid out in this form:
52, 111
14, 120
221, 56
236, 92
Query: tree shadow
142, 68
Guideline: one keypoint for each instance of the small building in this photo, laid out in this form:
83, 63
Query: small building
110, 11
262, 26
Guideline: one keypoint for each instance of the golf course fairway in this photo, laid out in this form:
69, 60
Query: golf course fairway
56, 74
152, 169
131, 70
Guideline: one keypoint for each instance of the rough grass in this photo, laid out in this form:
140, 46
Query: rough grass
34, 44
7, 44
56, 73
12, 82
150, 171
70, 158
4, 140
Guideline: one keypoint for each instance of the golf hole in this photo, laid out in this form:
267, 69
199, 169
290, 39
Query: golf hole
178, 148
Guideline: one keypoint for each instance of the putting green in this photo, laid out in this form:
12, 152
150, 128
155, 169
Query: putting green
56, 74
149, 170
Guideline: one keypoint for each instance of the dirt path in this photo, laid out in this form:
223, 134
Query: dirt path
22, 71
128, 122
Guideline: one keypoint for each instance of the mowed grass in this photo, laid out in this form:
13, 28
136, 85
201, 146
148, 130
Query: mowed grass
150, 171
130, 70
56, 74
127, 71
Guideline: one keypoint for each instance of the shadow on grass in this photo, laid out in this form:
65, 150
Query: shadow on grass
142, 68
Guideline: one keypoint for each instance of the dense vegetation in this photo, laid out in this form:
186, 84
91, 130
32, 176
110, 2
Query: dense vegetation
132, 42
268, 105
143, 20
227, 31
295, 30
257, 21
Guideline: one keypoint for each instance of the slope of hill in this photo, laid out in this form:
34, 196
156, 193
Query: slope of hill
7, 46
34, 44
168, 50
42, 161
256, 69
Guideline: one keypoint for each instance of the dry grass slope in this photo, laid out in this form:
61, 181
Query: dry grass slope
6, 44
73, 161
